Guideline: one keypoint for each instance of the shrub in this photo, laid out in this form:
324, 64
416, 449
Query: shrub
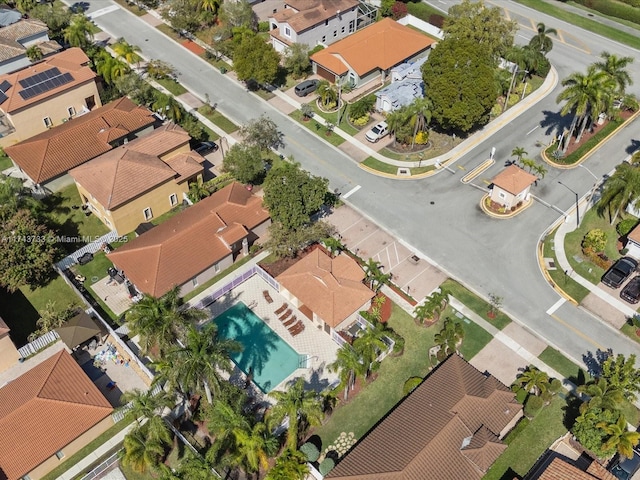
399, 10
316, 49
513, 99
310, 451
326, 466
361, 121
422, 138
362, 106
263, 26
595, 240
614, 9
625, 226
436, 20
523, 86
533, 405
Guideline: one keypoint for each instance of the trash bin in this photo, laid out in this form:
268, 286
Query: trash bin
223, 70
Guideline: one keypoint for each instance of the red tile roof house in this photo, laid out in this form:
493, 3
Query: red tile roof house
633, 243
313, 22
48, 414
561, 469
328, 291
47, 157
369, 54
195, 245
449, 427
512, 186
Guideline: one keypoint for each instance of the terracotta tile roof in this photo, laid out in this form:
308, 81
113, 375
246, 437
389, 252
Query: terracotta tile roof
43, 410
559, 469
382, 45
190, 242
634, 234
49, 47
129, 170
331, 288
4, 329
312, 12
439, 431
66, 146
73, 61
514, 180
186, 165
10, 36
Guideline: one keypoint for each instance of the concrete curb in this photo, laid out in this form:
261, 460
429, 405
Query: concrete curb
505, 216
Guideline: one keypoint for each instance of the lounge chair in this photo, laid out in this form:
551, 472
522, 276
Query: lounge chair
294, 327
298, 330
290, 322
285, 315
281, 309
267, 297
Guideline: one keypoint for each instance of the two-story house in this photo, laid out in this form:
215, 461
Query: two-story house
313, 22
46, 94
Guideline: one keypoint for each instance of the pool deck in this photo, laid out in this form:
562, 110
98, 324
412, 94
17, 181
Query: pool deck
312, 342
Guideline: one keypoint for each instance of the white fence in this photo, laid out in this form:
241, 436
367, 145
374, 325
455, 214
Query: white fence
422, 25
102, 467
92, 247
38, 344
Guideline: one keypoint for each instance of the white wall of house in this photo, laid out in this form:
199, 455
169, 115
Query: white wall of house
507, 199
634, 249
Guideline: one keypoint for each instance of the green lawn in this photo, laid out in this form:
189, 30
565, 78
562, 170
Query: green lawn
475, 303
630, 331
333, 118
170, 84
384, 167
573, 246
530, 443
220, 120
132, 8
475, 338
566, 283
5, 161
585, 23
564, 366
319, 129
169, 31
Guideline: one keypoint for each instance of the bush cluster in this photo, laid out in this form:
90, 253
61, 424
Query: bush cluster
628, 12
625, 226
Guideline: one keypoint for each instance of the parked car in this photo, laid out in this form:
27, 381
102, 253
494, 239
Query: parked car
79, 7
206, 147
619, 272
377, 132
624, 468
631, 293
305, 88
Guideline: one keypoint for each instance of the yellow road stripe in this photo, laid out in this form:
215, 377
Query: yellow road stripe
577, 332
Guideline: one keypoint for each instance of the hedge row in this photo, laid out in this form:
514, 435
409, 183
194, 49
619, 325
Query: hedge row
626, 11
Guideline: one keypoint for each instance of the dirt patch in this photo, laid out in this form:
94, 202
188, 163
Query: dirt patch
385, 306
193, 47
588, 133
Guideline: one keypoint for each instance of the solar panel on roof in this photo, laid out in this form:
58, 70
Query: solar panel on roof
3, 97
43, 82
4, 86
40, 77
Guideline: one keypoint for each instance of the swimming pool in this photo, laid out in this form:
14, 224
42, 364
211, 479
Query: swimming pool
269, 358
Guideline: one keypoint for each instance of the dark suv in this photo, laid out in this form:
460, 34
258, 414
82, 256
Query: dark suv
631, 292
625, 468
619, 272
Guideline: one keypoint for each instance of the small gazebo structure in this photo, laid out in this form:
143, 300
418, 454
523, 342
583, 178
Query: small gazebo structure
511, 187
78, 330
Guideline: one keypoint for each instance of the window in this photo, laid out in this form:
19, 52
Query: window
352, 26
324, 38
216, 268
25, 477
342, 30
107, 222
71, 111
335, 33
194, 282
47, 122
173, 199
60, 454
326, 22
287, 31
502, 195
148, 214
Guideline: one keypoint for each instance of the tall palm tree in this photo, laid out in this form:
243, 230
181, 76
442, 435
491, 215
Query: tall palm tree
349, 365
616, 68
127, 52
302, 407
620, 190
450, 337
375, 277
620, 437
420, 112
168, 106
541, 42
433, 306
222, 420
142, 451
602, 395
333, 245
79, 33
202, 359
291, 465
195, 467
110, 68
540, 170
253, 447
533, 380
519, 153
327, 93
210, 5
144, 406
586, 95
198, 191
369, 345
160, 321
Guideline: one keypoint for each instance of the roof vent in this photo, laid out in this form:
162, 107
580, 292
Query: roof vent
466, 441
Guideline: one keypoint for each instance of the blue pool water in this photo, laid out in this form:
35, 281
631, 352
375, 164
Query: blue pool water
264, 353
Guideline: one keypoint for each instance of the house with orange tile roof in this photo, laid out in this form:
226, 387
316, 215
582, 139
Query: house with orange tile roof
194, 245
449, 427
48, 414
369, 54
556, 467
327, 290
313, 22
46, 94
512, 186
139, 180
8, 352
47, 157
633, 243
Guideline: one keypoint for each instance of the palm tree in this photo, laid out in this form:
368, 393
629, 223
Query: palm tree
374, 275
210, 5
79, 33
433, 306
253, 447
198, 191
615, 67
450, 337
349, 364
586, 95
519, 153
533, 380
141, 451
126, 51
291, 465
333, 245
168, 106
541, 41
202, 359
110, 68
34, 53
369, 345
160, 321
327, 93
620, 437
195, 467
302, 407
144, 406
602, 395
540, 170
620, 190
159, 69
420, 114
222, 420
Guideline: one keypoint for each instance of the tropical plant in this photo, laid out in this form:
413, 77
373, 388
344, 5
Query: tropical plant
621, 372
620, 190
79, 33
375, 277
362, 107
616, 68
541, 42
127, 52
396, 120
349, 365
410, 385
169, 107
160, 69
539, 170
533, 380
302, 407
197, 191
145, 408
306, 110
532, 406
202, 359
595, 239
193, 467
253, 447
160, 321
589, 435
449, 338
602, 395
109, 68
327, 93
34, 53
619, 437
142, 451
209, 5
369, 344
291, 465
433, 306
519, 153
334, 245
52, 318
420, 117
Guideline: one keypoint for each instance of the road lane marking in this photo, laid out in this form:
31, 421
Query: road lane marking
533, 129
103, 11
578, 332
352, 191
556, 306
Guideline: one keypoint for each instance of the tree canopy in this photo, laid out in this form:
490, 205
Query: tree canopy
263, 133
255, 59
244, 163
459, 82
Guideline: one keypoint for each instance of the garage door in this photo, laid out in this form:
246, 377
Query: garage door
326, 74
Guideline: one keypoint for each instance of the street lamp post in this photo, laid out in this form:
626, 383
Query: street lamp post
595, 185
577, 203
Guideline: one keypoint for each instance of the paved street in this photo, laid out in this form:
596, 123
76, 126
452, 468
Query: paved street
438, 217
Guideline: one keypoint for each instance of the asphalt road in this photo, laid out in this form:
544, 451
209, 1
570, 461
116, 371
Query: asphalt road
439, 217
